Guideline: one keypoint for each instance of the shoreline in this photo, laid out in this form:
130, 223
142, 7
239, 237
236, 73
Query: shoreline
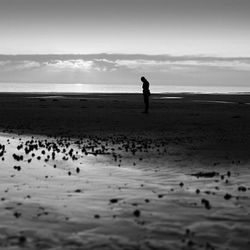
208, 128
124, 93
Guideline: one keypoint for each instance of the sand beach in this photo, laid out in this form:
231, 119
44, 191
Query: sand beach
91, 171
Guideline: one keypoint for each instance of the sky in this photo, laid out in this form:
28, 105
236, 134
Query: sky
125, 69
172, 42
175, 27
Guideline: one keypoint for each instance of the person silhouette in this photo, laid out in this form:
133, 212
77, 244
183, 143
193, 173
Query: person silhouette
146, 93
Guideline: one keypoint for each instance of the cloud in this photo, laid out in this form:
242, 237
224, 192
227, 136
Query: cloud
18, 65
233, 64
123, 69
28, 65
198, 64
104, 63
70, 64
104, 60
3, 63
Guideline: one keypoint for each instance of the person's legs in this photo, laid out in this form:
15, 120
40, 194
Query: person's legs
146, 102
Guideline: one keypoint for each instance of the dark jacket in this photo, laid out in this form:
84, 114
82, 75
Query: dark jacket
145, 87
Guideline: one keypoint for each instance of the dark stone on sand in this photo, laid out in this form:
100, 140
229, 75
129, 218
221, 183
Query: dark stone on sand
205, 174
242, 189
18, 168
114, 200
197, 191
190, 243
18, 157
97, 216
181, 184
78, 191
206, 203
22, 239
207, 192
137, 213
17, 214
2, 150
227, 196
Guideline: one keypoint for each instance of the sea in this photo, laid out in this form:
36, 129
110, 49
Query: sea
116, 88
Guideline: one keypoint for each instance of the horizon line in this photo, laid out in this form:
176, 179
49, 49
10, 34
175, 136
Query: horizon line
127, 54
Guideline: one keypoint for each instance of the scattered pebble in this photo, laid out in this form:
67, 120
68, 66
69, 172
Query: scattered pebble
17, 214
242, 189
137, 213
206, 203
227, 196
114, 200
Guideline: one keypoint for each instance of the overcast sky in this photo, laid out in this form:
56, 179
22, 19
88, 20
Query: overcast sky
176, 27
123, 69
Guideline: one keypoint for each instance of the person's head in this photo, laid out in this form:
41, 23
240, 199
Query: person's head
143, 78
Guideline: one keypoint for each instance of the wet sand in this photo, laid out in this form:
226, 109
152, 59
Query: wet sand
94, 172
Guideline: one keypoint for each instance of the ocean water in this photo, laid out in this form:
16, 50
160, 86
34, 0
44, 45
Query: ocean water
113, 88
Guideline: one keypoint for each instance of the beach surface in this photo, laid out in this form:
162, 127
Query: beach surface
91, 171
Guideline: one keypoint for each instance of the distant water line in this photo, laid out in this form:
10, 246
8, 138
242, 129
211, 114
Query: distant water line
113, 88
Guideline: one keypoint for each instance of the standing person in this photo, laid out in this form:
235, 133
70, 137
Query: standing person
146, 93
